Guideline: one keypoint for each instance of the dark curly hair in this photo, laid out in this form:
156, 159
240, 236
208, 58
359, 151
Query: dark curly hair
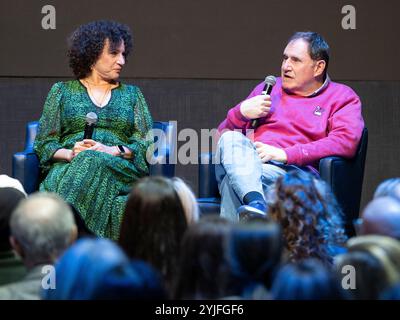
87, 42
310, 216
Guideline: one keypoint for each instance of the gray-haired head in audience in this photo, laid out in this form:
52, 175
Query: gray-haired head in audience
42, 227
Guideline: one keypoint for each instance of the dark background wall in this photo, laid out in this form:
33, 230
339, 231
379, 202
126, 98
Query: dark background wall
195, 59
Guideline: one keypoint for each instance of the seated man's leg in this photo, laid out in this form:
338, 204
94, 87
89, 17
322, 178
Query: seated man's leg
238, 172
270, 174
252, 209
229, 200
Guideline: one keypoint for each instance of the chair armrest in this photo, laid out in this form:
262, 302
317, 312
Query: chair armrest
160, 167
25, 168
208, 186
345, 178
209, 206
326, 167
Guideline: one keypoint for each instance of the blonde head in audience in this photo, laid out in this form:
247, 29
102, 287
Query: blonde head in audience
188, 200
376, 262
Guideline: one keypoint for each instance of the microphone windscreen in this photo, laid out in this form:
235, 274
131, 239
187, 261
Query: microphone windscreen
91, 118
271, 80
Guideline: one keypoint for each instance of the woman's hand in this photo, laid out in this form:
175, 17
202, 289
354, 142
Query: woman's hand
80, 146
64, 155
89, 144
97, 146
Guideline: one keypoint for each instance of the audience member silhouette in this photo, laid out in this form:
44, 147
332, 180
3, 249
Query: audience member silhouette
98, 269
376, 260
254, 252
389, 187
153, 225
370, 276
188, 200
42, 227
381, 216
11, 266
203, 271
8, 182
392, 293
309, 215
306, 280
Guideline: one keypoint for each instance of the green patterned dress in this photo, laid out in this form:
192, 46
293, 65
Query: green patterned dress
97, 184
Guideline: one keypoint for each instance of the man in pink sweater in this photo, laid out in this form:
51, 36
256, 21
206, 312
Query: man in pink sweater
305, 118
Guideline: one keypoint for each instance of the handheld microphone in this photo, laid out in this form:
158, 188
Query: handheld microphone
269, 83
91, 120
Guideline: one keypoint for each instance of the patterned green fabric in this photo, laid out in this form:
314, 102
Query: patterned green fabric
95, 183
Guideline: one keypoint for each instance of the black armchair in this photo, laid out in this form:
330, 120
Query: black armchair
345, 176
25, 164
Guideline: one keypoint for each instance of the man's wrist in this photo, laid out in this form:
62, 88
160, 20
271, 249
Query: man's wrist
283, 156
280, 156
242, 110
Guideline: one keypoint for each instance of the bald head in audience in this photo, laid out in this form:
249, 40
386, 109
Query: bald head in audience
388, 188
382, 216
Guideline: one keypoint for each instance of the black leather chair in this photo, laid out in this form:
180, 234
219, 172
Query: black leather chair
345, 176
25, 164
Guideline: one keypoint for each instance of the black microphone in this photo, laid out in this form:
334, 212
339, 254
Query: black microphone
269, 83
91, 120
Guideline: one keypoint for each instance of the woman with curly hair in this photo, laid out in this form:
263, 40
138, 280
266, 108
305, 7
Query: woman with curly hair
95, 175
309, 215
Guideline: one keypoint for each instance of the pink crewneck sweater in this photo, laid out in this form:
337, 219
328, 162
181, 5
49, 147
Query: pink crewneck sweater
307, 128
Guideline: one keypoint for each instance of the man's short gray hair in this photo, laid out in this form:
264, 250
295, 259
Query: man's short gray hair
318, 48
43, 225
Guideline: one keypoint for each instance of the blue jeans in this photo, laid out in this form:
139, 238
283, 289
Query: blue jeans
240, 170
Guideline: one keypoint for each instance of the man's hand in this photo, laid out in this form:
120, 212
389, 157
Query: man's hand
267, 153
256, 107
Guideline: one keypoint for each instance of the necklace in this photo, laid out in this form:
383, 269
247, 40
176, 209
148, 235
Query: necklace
98, 85
100, 102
